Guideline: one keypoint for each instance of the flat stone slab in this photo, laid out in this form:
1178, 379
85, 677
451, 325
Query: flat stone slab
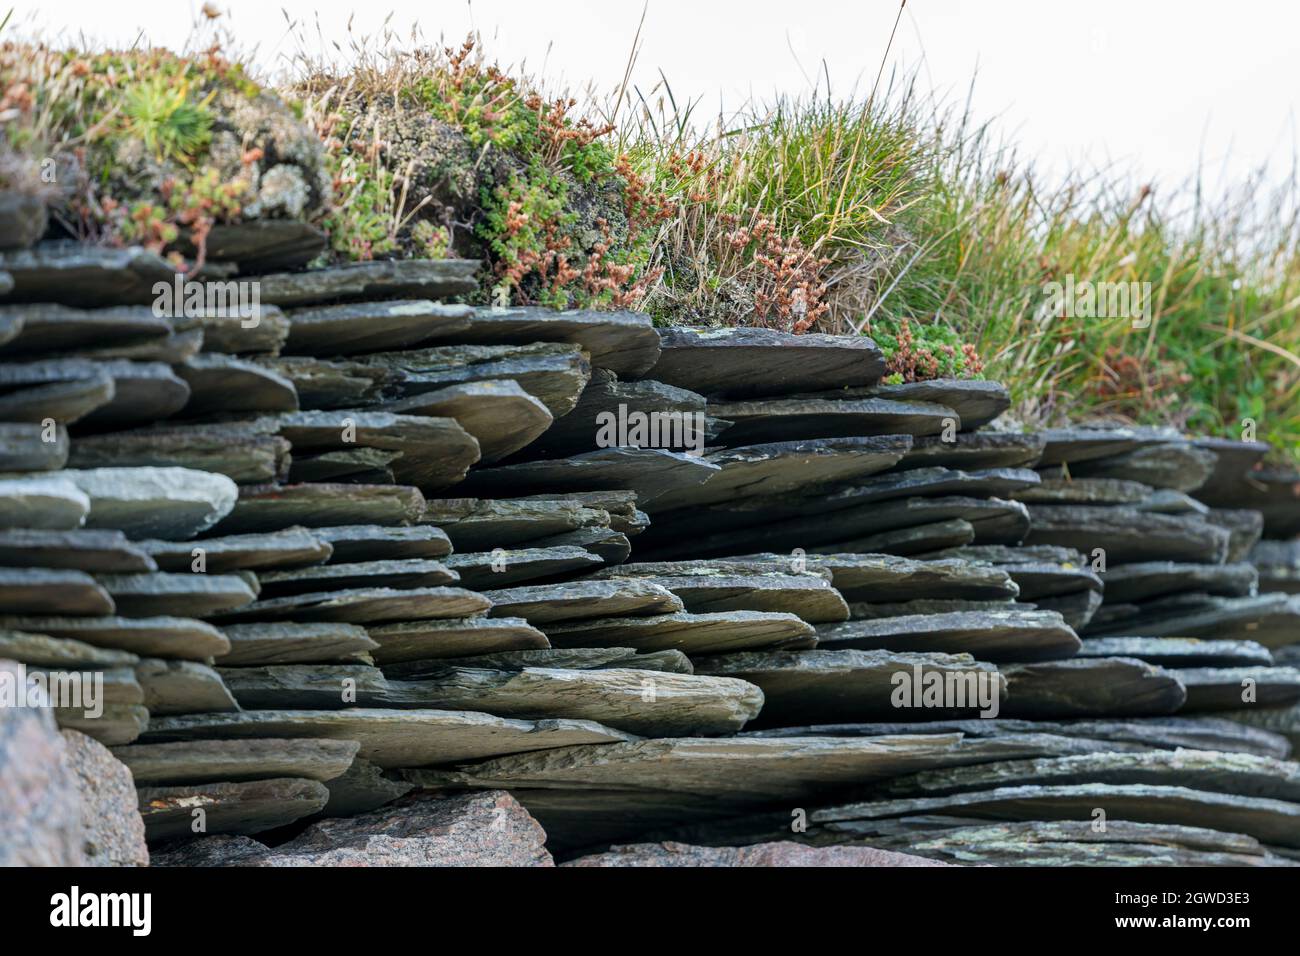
735, 771
1247, 775
785, 853
1145, 580
59, 653
169, 637
86, 550
887, 578
404, 573
114, 393
432, 452
620, 504
1101, 736
578, 600
1075, 444
1128, 535
819, 685
118, 724
969, 451
976, 402
784, 469
372, 326
1039, 572
264, 243
844, 496
1179, 652
23, 447
231, 335
1270, 821
74, 273
1086, 491
751, 362
290, 548
920, 539
66, 393
475, 524
1234, 459
363, 606
623, 342
1244, 528
211, 761
564, 658
501, 415
676, 413
612, 547
991, 521
1232, 688
438, 640
160, 594
1091, 687
650, 472
222, 383
43, 503
792, 419
141, 392
182, 687
503, 567
264, 508
388, 738
245, 452
294, 643
380, 278
1267, 619
154, 502
248, 807
45, 591
633, 700
710, 633
990, 635
1067, 843
1180, 466
554, 373
704, 588
352, 543
866, 528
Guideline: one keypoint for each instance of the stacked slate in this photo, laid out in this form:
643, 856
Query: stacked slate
717, 586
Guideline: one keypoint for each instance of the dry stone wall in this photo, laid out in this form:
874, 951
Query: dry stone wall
369, 576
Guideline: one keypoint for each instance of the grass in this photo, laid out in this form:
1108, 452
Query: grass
881, 211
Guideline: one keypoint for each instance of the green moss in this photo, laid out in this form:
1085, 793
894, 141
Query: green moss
915, 351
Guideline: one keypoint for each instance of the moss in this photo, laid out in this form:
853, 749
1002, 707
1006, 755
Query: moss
445, 152
155, 148
915, 351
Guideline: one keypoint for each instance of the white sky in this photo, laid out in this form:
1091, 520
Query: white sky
1154, 87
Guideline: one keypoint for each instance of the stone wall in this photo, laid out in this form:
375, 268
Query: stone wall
347, 567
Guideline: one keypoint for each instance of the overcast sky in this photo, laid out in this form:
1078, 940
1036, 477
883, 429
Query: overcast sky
1157, 88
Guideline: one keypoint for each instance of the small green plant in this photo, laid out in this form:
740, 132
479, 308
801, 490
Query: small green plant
917, 351
167, 120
